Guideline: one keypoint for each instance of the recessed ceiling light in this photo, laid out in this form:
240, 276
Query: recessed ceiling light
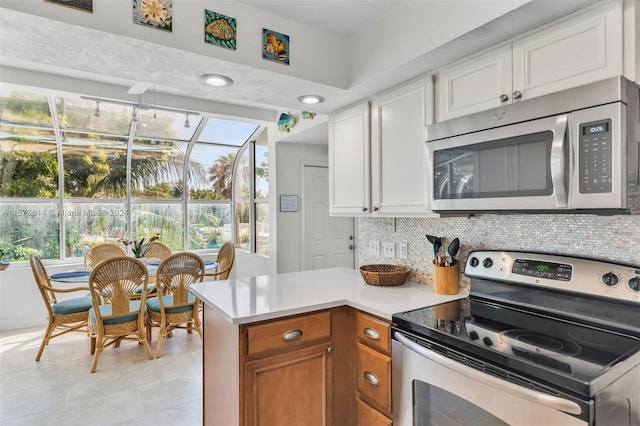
311, 99
216, 80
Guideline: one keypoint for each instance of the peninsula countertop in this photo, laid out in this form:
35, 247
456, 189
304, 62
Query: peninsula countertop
264, 297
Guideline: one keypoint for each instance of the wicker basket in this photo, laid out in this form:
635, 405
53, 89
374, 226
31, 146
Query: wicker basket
384, 275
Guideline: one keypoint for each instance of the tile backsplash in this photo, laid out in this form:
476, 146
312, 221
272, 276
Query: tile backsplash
615, 238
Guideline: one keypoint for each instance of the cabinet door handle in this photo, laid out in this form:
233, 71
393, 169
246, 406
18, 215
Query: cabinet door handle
364, 209
517, 94
291, 335
504, 98
375, 209
371, 333
371, 378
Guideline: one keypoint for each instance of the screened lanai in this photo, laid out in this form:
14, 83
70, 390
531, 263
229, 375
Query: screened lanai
76, 171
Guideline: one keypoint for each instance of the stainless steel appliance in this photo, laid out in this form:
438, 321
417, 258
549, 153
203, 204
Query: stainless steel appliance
571, 150
542, 339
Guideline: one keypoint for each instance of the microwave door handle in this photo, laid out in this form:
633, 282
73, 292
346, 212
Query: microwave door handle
551, 401
557, 161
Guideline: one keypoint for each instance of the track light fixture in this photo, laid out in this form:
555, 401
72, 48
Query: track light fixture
186, 122
137, 106
96, 112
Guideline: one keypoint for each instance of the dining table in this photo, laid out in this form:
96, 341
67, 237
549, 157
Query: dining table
81, 276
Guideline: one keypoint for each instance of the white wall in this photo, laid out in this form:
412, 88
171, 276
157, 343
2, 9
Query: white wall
290, 159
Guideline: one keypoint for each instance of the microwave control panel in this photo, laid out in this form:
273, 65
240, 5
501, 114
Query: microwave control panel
595, 154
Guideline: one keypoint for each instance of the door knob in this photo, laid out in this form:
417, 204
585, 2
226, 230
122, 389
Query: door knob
517, 94
504, 98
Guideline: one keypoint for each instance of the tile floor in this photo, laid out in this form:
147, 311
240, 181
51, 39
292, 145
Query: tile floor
127, 387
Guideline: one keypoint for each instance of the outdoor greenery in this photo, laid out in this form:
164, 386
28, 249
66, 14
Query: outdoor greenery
95, 183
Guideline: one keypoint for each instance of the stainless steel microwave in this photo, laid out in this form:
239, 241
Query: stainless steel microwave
574, 150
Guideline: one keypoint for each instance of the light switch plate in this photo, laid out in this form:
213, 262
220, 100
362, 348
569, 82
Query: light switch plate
374, 248
389, 249
403, 249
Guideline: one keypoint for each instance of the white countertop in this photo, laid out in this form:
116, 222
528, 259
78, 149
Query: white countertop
251, 299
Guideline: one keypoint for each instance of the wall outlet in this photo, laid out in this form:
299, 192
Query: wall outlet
389, 249
374, 248
403, 249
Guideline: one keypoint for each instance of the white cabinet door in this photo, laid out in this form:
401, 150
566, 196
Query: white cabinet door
578, 51
474, 85
398, 176
349, 169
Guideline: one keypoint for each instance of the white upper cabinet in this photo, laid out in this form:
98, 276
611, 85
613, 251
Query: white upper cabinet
586, 48
398, 176
381, 175
349, 159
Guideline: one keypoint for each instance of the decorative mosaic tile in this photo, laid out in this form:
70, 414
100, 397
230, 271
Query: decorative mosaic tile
615, 238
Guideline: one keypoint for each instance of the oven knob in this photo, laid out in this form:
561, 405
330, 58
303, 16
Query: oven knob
487, 263
610, 279
473, 335
474, 261
487, 341
634, 284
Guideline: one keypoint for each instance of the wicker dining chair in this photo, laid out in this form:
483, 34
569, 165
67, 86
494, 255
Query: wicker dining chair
100, 252
175, 307
123, 318
157, 251
225, 259
68, 315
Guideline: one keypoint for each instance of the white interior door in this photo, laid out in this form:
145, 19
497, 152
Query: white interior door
328, 240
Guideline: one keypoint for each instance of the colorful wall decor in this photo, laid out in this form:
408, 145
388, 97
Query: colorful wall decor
84, 5
220, 29
286, 122
275, 46
153, 13
306, 115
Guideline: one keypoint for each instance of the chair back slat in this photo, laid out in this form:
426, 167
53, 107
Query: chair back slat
100, 252
225, 259
116, 279
157, 251
177, 272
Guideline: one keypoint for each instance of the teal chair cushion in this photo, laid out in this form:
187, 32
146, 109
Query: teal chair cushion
105, 310
151, 288
72, 306
153, 304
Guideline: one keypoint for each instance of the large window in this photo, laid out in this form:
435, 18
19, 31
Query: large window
76, 171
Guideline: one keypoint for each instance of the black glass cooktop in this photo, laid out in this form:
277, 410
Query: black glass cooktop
559, 351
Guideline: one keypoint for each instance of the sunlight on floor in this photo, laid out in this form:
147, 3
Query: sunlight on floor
127, 387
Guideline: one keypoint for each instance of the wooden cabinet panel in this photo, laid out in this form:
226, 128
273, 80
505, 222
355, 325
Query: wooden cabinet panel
288, 333
374, 377
369, 416
373, 331
289, 389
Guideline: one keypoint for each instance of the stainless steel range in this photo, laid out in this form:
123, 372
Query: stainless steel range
542, 339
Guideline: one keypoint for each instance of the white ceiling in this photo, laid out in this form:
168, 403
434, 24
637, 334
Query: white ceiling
29, 42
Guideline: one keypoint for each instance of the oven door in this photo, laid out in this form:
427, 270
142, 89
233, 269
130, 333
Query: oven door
522, 166
432, 389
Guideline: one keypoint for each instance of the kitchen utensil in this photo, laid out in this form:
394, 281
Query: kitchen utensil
453, 248
437, 243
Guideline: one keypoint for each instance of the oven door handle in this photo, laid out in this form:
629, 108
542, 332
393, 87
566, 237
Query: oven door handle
556, 161
551, 401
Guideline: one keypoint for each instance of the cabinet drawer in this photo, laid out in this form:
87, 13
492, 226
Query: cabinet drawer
374, 376
373, 331
288, 333
369, 416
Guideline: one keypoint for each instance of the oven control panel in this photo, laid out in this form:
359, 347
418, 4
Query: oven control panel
587, 276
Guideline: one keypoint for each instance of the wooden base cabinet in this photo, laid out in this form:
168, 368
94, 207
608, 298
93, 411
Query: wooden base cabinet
373, 371
289, 389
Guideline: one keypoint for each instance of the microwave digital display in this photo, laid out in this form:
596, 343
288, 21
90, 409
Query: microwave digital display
595, 128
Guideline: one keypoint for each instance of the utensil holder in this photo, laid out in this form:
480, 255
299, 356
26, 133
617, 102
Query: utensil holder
445, 279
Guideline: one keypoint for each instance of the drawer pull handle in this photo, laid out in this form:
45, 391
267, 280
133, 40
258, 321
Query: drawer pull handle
371, 378
291, 335
371, 333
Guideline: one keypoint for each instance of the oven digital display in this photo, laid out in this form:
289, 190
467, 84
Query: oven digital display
546, 270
